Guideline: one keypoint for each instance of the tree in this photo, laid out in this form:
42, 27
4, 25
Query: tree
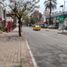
36, 17
21, 9
50, 4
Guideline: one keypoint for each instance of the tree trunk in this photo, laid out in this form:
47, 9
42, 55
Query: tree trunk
50, 21
19, 27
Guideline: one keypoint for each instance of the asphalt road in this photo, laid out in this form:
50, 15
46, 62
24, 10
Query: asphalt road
49, 48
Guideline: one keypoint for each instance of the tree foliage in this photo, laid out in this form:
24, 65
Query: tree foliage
22, 9
50, 4
36, 17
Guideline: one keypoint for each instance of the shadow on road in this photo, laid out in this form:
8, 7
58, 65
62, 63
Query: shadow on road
64, 33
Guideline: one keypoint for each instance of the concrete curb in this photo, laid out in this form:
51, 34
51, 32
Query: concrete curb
52, 30
32, 57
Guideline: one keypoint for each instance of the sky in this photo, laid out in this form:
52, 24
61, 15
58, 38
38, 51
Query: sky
59, 2
41, 3
42, 8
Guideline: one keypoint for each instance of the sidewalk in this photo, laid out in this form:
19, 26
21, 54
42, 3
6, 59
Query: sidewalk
55, 30
14, 51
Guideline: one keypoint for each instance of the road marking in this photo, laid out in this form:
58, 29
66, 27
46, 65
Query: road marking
32, 57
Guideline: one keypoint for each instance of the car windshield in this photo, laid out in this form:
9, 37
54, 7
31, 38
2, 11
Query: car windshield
37, 26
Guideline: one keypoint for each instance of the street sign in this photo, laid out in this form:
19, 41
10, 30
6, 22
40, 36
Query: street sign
61, 19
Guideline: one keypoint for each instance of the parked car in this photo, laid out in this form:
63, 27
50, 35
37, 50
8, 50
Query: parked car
44, 25
36, 28
54, 26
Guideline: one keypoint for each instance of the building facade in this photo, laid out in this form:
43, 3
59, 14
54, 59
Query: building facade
1, 10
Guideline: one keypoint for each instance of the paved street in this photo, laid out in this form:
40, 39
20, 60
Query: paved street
49, 48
